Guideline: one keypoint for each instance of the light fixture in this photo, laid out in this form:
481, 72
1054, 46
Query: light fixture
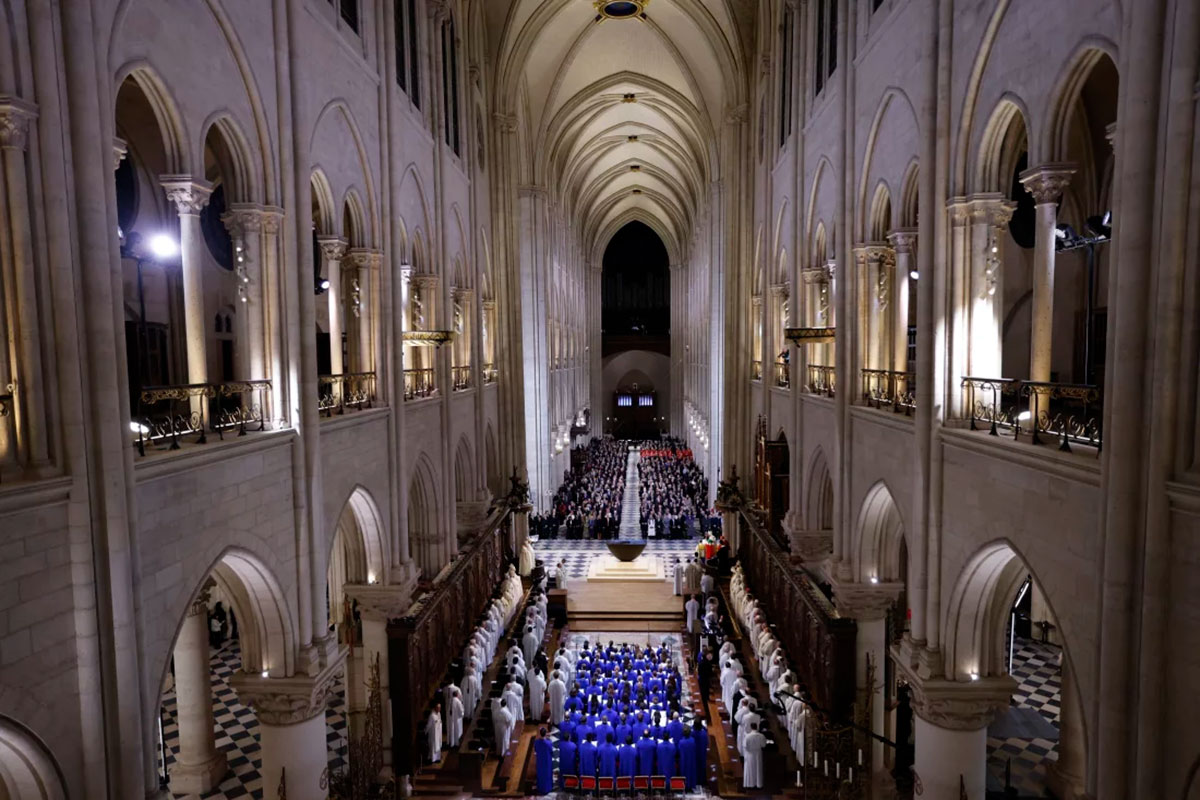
621, 9
1024, 415
163, 246
914, 275
264, 673
138, 427
370, 577
322, 285
974, 676
874, 579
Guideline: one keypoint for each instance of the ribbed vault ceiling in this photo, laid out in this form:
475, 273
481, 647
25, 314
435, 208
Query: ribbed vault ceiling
623, 114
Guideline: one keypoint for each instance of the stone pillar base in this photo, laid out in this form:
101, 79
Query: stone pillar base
198, 778
1063, 785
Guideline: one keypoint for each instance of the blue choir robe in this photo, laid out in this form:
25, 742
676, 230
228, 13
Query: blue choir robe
687, 761
587, 758
566, 729
608, 760
627, 756
581, 732
566, 758
622, 732
603, 731
645, 753
675, 730
543, 753
574, 704
665, 758
700, 734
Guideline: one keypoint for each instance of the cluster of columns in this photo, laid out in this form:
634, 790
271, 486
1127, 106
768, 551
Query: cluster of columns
24, 435
883, 286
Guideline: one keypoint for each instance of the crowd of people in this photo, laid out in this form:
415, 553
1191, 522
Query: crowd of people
618, 710
673, 492
588, 503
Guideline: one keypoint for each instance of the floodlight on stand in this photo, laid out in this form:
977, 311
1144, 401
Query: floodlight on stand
1100, 225
163, 246
138, 427
914, 275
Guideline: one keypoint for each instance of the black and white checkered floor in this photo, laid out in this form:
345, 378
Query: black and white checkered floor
237, 729
1039, 678
577, 554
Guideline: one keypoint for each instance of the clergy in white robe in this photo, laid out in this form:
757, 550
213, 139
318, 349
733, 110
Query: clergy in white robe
752, 759
530, 643
536, 682
456, 714
502, 724
433, 734
516, 669
471, 689
691, 577
750, 721
677, 578
527, 558
558, 698
692, 606
708, 584
513, 701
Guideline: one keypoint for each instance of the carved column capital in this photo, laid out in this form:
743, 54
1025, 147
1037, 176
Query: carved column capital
1047, 182
363, 257
288, 701
780, 290
15, 116
332, 247
991, 209
959, 210
243, 219
505, 123
903, 240
424, 280
737, 115
272, 219
381, 602
865, 601
189, 195
200, 604
120, 150
959, 705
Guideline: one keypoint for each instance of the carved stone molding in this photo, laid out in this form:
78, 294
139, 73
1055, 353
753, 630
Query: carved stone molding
961, 705
1047, 182
505, 123
243, 219
189, 195
782, 290
865, 601
272, 219
15, 116
289, 701
810, 546
903, 240
736, 115
120, 150
200, 604
333, 247
959, 210
363, 257
991, 209
459, 294
881, 253
379, 602
425, 281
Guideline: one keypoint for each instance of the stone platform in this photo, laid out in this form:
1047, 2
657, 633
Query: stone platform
644, 568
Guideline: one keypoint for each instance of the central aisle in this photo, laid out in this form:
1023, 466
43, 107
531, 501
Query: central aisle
631, 514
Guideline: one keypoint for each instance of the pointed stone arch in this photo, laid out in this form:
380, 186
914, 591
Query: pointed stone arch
464, 471
818, 495
424, 532
879, 532
28, 770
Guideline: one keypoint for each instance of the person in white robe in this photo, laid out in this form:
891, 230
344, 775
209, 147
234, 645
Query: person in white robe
739, 714
433, 734
528, 560
796, 719
558, 698
516, 652
456, 717
752, 758
516, 669
708, 584
502, 724
691, 577
677, 578
751, 720
530, 643
513, 701
536, 682
471, 689
739, 685
728, 677
692, 606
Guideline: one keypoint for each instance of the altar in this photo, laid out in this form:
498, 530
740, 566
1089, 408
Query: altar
646, 567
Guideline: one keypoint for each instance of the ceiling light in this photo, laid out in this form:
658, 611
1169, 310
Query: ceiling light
621, 9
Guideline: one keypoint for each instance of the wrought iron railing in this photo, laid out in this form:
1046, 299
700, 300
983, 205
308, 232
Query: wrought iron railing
349, 391
885, 388
782, 374
168, 415
462, 378
358, 779
419, 383
756, 370
1069, 411
821, 380
489, 373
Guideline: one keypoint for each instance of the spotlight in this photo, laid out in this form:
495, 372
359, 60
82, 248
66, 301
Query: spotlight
1100, 226
163, 246
874, 579
322, 285
914, 275
138, 427
1024, 415
974, 676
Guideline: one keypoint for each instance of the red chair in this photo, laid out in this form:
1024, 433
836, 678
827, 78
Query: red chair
605, 784
624, 783
641, 783
587, 783
570, 782
658, 783
679, 785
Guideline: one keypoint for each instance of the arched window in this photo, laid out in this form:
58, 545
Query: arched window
785, 75
408, 57
450, 86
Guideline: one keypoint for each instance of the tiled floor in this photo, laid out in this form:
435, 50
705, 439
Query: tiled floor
1036, 669
577, 554
237, 730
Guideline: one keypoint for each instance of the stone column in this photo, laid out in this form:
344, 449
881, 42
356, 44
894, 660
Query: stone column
869, 604
520, 527
876, 302
200, 765
245, 224
989, 214
291, 728
1046, 183
24, 327
190, 196
1066, 777
377, 604
903, 242
958, 286
361, 308
333, 249
779, 296
950, 730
